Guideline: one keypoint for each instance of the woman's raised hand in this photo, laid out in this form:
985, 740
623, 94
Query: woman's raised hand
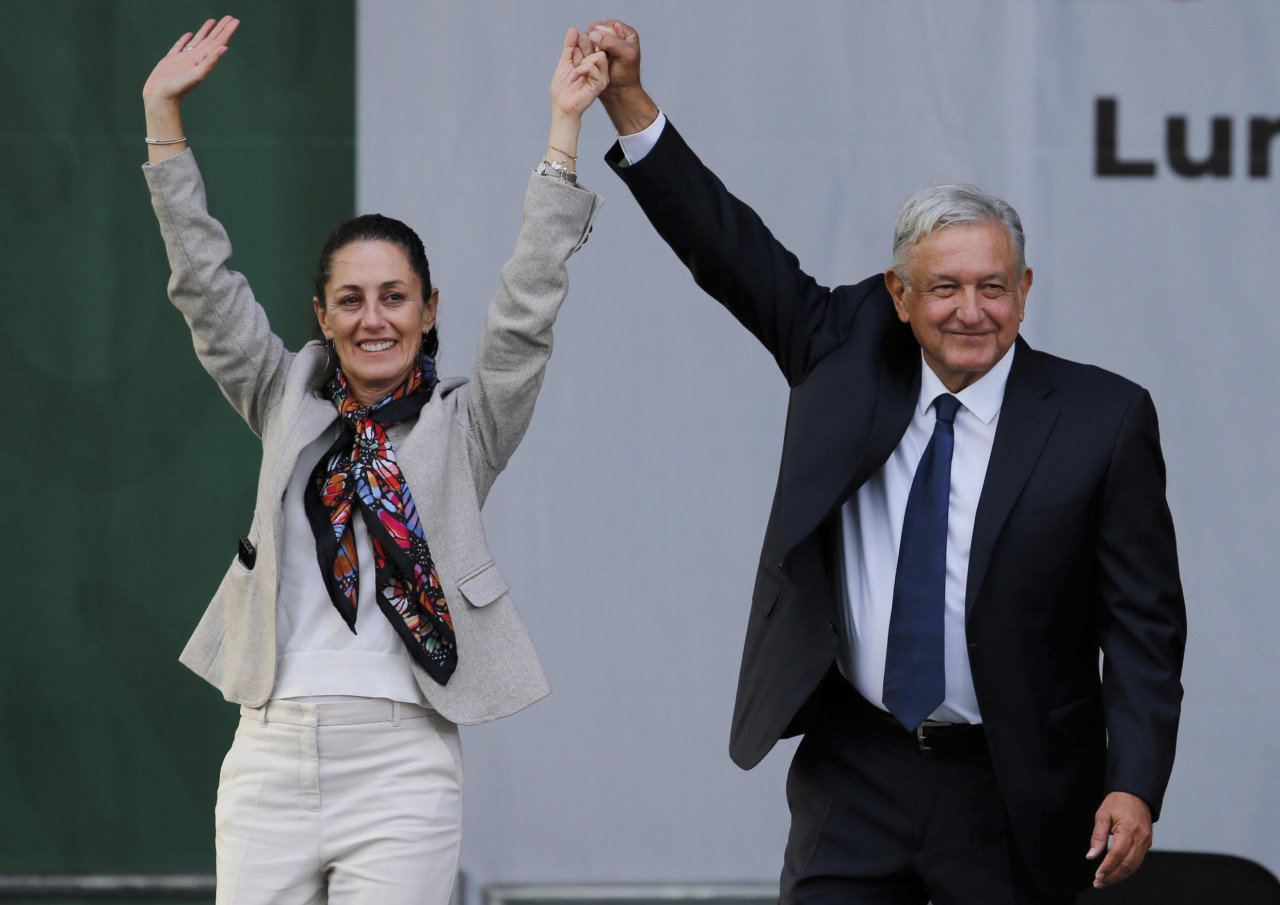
186, 65
189, 61
578, 79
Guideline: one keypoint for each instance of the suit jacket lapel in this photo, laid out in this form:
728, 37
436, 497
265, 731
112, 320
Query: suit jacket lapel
829, 451
1027, 416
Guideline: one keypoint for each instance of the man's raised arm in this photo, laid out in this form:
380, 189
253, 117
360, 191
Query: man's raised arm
625, 100
730, 252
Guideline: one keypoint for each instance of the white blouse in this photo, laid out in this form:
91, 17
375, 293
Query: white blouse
317, 655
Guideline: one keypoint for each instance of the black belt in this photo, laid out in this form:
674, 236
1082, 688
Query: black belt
930, 735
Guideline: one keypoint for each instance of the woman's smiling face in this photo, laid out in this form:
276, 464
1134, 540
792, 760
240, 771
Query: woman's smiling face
376, 313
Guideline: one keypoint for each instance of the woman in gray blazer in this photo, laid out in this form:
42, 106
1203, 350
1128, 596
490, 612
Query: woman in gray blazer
364, 617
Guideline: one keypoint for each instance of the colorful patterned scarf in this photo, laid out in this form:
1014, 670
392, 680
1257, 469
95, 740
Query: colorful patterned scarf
360, 470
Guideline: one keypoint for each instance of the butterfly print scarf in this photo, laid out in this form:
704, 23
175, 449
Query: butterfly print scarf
359, 473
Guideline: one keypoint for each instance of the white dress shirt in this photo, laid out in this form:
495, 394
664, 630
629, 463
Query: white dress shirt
638, 144
871, 522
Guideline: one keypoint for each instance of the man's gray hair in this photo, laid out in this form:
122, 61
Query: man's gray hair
939, 206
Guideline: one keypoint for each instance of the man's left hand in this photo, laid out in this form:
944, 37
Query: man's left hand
1126, 819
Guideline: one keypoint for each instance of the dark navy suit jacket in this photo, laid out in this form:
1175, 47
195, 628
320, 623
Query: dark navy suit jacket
1073, 547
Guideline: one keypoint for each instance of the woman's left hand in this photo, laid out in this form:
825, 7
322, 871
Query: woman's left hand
578, 79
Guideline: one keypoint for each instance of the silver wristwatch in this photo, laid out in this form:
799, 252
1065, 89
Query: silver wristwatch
558, 170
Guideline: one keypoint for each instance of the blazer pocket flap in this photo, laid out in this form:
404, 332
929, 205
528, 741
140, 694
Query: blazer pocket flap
1052, 518
483, 586
1079, 716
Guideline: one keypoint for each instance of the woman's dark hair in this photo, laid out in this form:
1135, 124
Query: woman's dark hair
377, 228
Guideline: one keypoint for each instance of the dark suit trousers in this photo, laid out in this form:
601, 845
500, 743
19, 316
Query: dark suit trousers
874, 819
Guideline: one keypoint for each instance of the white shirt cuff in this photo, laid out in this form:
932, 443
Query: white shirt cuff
638, 144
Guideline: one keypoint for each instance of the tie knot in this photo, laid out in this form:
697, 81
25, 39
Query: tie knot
946, 406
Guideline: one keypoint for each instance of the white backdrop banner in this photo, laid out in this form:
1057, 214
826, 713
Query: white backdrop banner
1139, 140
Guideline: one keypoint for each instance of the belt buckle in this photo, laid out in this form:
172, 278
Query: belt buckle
921, 741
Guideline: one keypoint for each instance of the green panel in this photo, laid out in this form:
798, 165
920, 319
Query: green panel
127, 478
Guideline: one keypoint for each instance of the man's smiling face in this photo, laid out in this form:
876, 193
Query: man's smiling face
964, 299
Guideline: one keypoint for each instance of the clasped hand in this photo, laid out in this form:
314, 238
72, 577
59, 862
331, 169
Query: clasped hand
580, 75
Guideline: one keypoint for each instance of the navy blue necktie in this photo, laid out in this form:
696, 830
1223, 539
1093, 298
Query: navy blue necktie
915, 678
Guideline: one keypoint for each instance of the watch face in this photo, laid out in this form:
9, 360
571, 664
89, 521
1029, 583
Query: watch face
561, 172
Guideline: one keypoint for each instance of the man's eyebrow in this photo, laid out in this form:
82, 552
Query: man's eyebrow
985, 278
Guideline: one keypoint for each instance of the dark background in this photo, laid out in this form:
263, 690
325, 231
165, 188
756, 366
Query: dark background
126, 477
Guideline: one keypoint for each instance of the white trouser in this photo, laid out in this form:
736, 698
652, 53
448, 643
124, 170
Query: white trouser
353, 802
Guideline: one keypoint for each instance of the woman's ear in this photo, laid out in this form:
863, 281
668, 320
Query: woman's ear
320, 316
428, 311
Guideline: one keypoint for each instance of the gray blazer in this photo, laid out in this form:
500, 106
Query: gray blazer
461, 441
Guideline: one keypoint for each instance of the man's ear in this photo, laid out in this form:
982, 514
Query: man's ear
1024, 287
897, 287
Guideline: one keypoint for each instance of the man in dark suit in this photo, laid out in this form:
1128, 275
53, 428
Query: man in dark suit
961, 524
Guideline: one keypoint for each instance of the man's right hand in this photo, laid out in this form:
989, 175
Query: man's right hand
625, 100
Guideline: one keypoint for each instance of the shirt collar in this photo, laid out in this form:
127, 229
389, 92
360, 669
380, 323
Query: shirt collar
983, 397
